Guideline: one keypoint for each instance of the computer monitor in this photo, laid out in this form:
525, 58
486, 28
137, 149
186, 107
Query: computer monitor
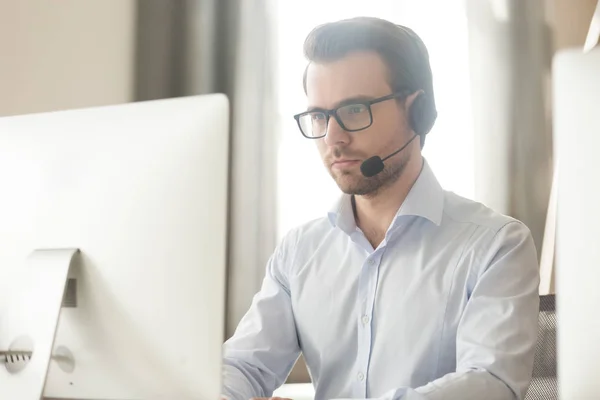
576, 111
137, 195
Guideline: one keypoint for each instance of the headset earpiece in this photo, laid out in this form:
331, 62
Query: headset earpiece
421, 116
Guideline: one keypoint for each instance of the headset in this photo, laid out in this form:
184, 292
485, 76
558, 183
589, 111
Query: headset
422, 112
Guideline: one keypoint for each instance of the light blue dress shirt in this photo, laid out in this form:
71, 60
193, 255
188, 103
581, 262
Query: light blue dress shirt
446, 307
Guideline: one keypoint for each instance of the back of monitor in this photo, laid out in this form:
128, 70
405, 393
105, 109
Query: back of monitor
140, 190
576, 78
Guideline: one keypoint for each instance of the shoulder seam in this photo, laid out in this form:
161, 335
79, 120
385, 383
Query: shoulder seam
483, 226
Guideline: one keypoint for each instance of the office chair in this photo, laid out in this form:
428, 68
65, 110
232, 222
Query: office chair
544, 385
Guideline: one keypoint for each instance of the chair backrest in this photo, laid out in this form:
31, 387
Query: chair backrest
544, 385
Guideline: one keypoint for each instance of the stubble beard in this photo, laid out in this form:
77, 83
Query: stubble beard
354, 183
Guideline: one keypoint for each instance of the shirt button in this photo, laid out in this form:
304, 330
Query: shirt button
360, 376
365, 319
371, 262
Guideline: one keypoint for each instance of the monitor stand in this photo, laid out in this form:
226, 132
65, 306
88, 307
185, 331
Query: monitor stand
29, 328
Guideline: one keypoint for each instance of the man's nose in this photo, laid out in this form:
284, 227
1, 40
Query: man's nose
335, 134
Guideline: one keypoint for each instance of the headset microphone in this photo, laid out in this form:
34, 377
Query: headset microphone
374, 165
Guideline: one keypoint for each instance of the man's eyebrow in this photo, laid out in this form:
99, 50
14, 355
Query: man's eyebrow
345, 102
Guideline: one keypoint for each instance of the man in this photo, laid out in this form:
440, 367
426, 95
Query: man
403, 291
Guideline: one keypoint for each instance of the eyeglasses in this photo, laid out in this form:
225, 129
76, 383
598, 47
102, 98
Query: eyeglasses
351, 117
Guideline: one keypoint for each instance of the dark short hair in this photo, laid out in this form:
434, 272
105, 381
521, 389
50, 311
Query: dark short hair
400, 48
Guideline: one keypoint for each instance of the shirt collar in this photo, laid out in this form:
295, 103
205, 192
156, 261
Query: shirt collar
425, 200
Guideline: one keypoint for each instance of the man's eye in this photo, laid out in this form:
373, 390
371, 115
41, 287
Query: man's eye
318, 117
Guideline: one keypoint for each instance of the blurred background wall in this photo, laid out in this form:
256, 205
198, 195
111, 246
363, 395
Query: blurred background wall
491, 60
65, 54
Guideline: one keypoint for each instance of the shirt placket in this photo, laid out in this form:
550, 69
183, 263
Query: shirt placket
367, 286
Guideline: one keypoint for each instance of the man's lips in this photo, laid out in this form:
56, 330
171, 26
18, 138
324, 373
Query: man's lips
344, 163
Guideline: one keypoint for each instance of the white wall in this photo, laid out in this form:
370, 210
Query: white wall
65, 54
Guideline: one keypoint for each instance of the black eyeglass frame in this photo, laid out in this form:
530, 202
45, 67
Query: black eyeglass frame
333, 112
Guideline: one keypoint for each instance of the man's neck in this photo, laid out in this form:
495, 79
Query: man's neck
374, 214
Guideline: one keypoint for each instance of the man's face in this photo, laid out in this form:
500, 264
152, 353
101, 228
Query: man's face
360, 75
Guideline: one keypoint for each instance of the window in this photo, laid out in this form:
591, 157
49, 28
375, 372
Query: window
305, 189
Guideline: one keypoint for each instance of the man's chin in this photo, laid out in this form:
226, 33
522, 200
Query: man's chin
353, 188
350, 182
358, 186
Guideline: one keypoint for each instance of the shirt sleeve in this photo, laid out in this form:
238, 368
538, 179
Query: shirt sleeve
260, 355
497, 333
